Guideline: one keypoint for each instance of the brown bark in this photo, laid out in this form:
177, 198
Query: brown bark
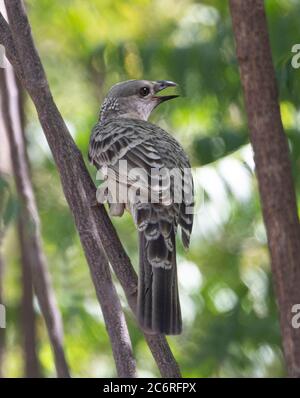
93, 224
273, 168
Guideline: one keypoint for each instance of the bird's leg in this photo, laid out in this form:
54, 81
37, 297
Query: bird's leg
116, 209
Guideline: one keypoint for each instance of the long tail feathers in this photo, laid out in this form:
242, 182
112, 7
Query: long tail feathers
158, 299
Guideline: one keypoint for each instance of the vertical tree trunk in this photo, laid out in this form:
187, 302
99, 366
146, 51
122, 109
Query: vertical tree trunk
273, 168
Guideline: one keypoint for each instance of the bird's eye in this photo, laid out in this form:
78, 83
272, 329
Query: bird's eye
144, 91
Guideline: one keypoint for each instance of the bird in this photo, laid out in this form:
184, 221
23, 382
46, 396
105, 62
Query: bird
123, 136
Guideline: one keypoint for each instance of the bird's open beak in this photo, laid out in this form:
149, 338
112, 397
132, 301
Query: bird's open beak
161, 85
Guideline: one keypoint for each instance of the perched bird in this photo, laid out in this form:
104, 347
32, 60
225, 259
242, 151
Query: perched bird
123, 133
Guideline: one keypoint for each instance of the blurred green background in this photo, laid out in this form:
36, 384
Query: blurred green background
230, 318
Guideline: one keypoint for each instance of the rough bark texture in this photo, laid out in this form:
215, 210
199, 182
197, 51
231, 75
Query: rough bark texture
273, 168
93, 224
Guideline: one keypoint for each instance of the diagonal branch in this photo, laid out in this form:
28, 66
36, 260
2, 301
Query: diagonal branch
273, 167
93, 224
112, 312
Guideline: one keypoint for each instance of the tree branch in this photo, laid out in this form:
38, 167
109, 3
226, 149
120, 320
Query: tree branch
93, 224
30, 357
28, 316
38, 263
273, 168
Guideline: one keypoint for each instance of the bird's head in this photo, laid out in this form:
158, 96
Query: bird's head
134, 99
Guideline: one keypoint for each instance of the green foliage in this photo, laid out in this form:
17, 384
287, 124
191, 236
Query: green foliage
230, 316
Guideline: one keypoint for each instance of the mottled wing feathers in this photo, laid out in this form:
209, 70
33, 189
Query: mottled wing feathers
147, 146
